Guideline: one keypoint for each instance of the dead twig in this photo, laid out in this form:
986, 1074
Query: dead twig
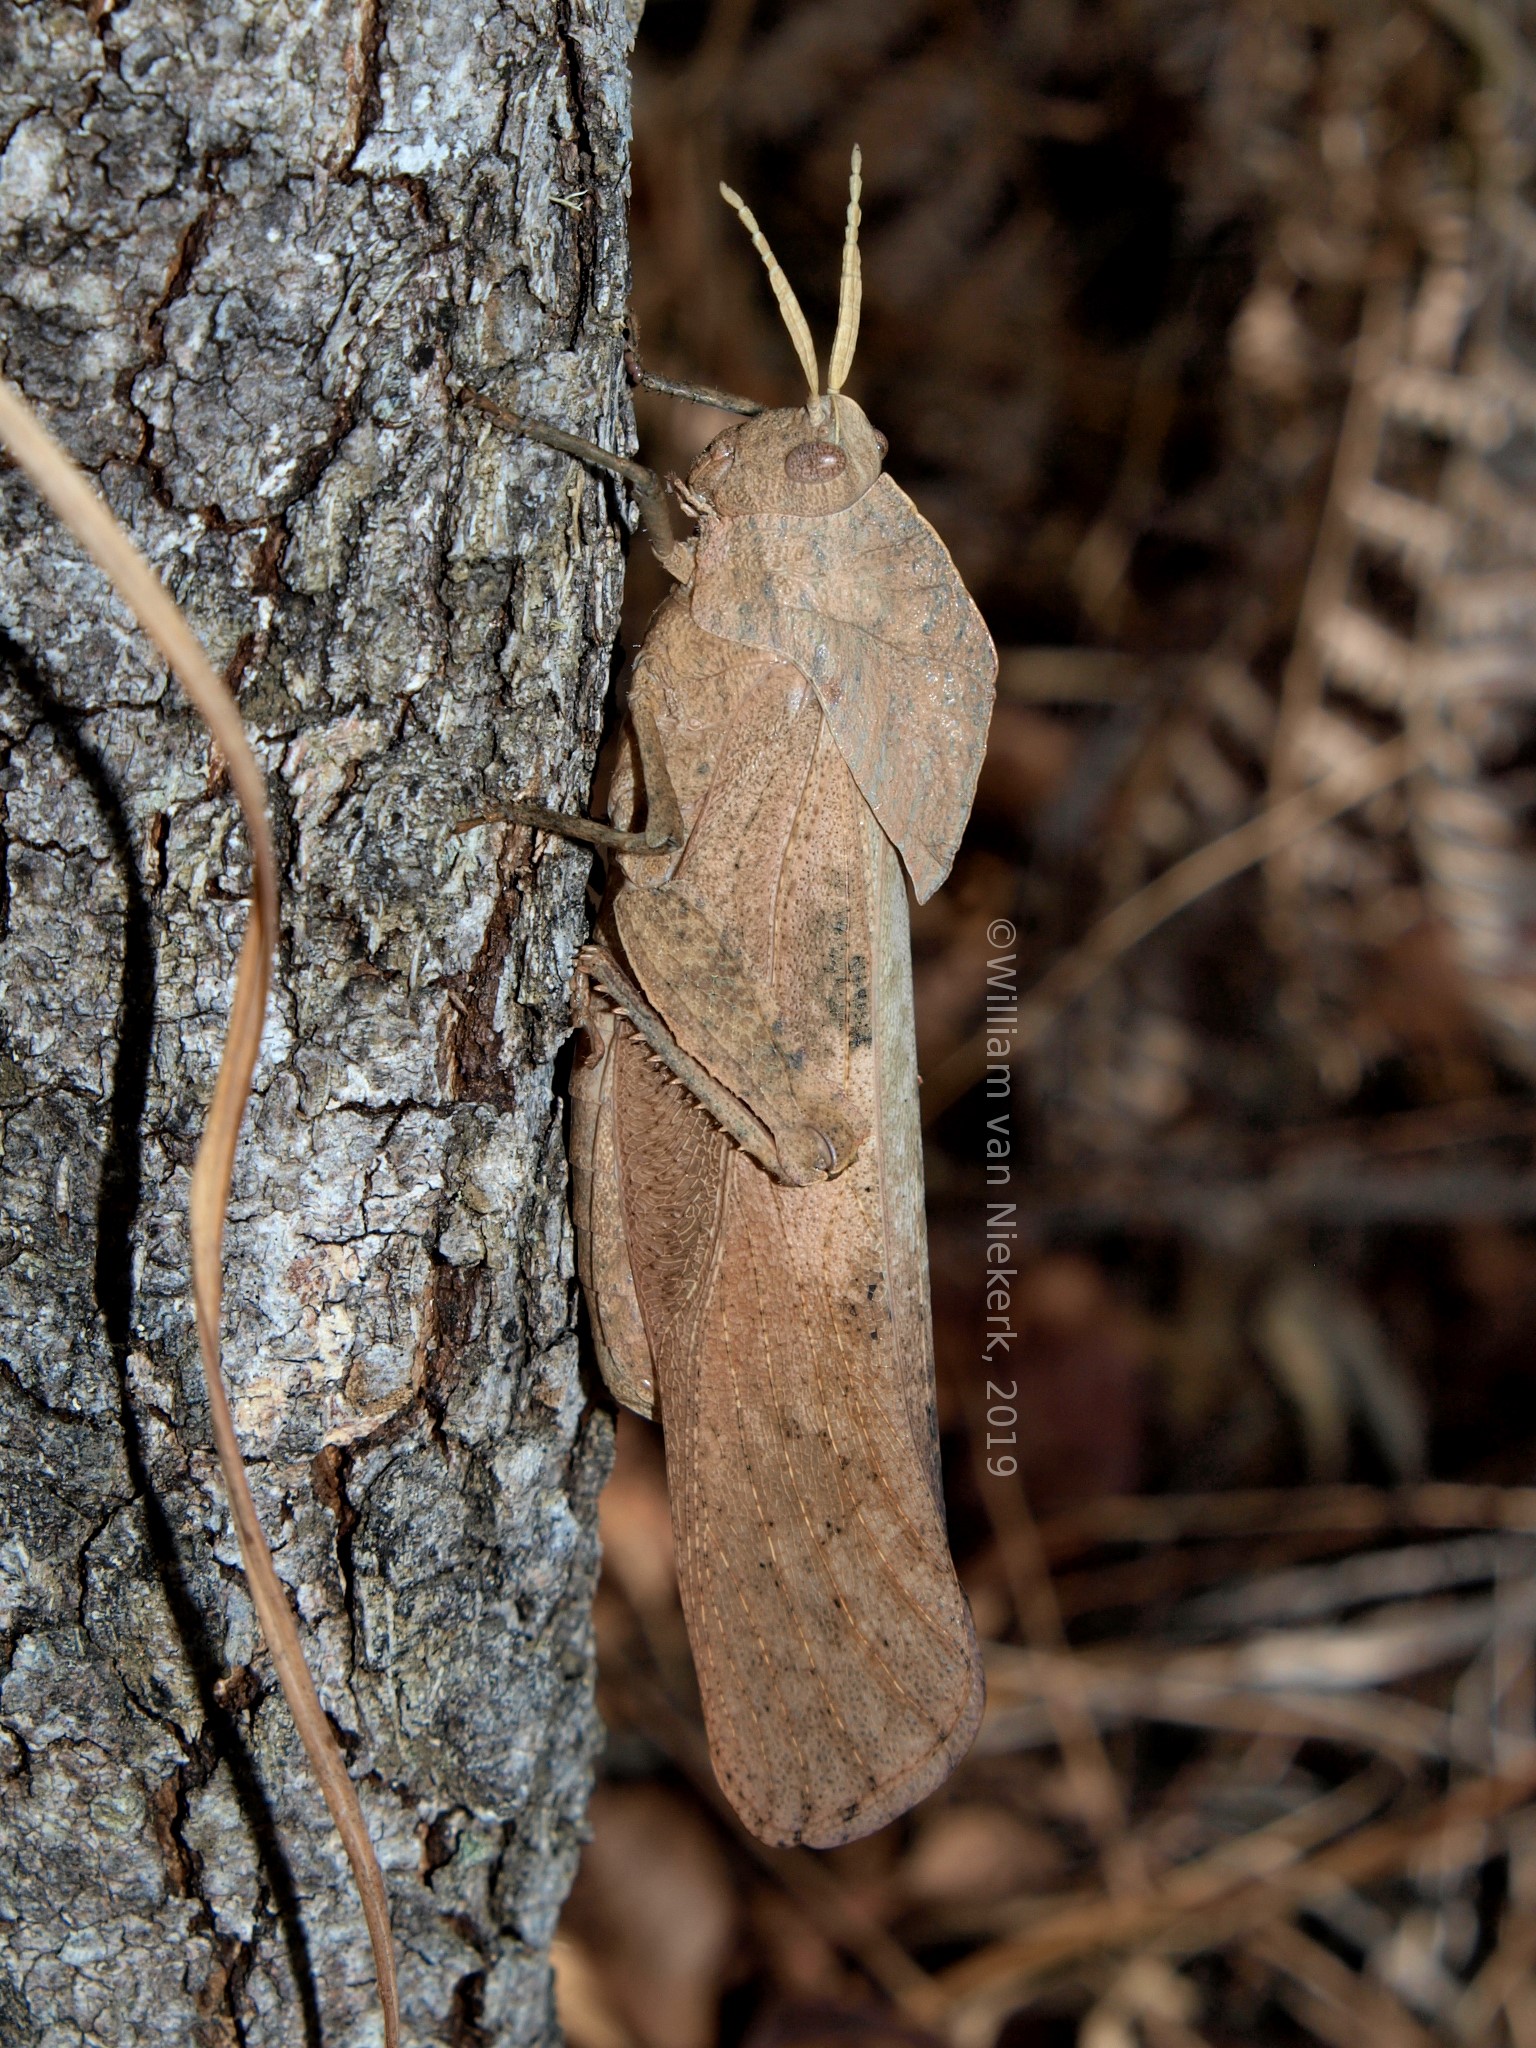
1345, 787
1363, 1510
1097, 1790
1330, 1999
1116, 1689
1227, 1896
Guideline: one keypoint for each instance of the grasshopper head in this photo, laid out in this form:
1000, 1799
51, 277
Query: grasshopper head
811, 459
806, 459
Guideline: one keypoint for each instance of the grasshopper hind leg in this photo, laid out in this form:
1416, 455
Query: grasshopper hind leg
602, 1238
648, 1178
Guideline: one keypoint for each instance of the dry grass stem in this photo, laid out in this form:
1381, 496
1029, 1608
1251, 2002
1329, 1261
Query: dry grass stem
1328, 1997
1223, 1898
1076, 972
1358, 1510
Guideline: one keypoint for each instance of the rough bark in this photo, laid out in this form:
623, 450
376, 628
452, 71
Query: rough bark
245, 252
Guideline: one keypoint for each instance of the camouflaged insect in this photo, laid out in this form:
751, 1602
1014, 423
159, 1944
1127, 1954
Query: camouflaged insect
808, 717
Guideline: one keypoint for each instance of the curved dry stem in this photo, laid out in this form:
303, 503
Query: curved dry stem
85, 513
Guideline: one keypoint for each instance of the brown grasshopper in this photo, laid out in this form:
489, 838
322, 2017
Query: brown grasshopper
808, 713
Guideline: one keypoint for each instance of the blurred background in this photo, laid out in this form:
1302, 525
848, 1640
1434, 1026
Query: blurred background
1205, 333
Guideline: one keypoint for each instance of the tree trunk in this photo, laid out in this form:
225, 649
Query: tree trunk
248, 252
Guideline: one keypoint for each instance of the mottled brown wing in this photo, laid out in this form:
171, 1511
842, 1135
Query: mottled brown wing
836, 1659
755, 951
833, 1645
868, 605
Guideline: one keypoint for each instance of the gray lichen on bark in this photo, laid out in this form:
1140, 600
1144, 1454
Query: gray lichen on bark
246, 252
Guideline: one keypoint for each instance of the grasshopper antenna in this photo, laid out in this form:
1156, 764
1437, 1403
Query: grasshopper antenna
850, 294
789, 305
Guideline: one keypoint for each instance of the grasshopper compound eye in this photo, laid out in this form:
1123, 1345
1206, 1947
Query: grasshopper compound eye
814, 462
